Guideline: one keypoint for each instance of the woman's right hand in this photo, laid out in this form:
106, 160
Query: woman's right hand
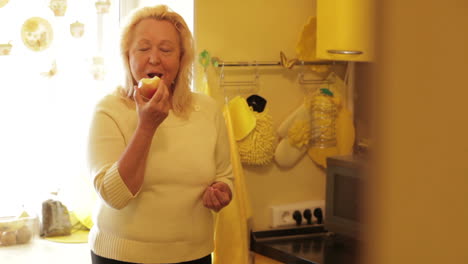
152, 112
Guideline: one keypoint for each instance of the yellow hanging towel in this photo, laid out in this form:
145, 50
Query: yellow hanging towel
232, 235
232, 229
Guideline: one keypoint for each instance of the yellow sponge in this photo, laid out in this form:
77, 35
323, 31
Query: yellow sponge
258, 147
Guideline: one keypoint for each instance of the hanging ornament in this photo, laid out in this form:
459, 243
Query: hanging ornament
102, 6
52, 71
285, 62
3, 3
97, 69
37, 34
77, 29
5, 49
58, 7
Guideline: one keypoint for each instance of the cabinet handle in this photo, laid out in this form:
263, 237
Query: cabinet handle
345, 52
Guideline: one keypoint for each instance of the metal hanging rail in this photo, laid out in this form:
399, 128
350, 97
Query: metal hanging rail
284, 62
219, 63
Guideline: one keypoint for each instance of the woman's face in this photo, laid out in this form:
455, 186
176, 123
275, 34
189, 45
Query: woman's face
155, 50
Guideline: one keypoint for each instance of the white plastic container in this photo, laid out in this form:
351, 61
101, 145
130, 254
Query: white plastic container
18, 230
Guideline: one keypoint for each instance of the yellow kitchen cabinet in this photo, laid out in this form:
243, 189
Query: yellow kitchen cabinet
345, 30
260, 259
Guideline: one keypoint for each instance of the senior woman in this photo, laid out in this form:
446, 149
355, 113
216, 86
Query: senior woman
160, 166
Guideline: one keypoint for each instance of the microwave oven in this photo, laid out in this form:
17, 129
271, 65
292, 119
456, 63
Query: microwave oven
344, 186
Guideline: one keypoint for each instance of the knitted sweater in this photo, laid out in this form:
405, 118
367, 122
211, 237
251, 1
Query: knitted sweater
165, 222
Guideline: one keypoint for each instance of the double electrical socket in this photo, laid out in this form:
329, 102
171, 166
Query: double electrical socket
282, 215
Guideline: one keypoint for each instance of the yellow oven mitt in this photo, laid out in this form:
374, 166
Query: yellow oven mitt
294, 134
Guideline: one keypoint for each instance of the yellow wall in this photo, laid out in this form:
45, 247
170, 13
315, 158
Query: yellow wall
247, 30
417, 201
418, 195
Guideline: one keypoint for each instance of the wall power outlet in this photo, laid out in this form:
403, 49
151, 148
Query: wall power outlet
282, 215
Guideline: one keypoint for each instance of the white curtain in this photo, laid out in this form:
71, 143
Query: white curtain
45, 111
45, 114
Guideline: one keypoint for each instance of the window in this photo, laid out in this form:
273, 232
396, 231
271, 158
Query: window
48, 96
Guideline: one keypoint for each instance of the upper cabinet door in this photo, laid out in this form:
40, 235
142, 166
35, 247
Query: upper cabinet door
345, 30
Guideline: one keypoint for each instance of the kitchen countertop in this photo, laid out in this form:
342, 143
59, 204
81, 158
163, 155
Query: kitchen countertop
349, 161
305, 245
44, 251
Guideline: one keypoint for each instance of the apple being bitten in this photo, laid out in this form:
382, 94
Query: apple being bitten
148, 86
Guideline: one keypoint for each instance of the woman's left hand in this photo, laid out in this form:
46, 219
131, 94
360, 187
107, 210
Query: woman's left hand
217, 196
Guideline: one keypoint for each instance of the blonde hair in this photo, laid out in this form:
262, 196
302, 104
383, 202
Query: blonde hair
182, 95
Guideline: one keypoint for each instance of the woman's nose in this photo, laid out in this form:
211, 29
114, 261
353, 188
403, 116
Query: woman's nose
154, 58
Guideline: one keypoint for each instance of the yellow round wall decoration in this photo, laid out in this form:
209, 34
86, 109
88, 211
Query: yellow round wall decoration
3, 3
37, 34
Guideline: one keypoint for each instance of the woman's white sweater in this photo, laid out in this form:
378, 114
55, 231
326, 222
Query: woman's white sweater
165, 222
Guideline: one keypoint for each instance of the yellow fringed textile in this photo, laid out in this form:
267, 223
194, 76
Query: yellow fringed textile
258, 147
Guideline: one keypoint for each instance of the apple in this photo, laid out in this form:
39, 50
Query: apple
8, 238
23, 235
148, 86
